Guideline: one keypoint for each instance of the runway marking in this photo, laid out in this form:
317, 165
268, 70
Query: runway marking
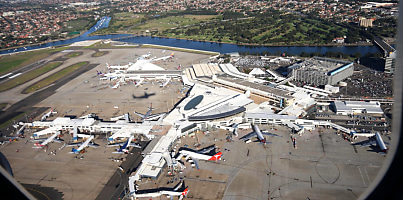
366, 173
362, 177
14, 76
4, 76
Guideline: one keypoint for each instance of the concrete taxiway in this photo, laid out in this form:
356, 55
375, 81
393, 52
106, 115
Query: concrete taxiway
323, 166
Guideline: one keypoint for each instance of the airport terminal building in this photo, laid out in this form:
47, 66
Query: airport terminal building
321, 71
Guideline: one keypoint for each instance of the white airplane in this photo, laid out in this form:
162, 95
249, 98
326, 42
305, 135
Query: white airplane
48, 114
377, 142
119, 66
112, 75
145, 56
148, 116
355, 135
200, 155
178, 190
256, 132
233, 128
47, 140
125, 147
117, 85
83, 145
165, 83
164, 57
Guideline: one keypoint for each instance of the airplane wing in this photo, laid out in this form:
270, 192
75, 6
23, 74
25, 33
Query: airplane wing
271, 134
74, 144
248, 136
58, 140
207, 150
34, 140
115, 144
93, 145
155, 116
196, 162
139, 114
370, 143
134, 145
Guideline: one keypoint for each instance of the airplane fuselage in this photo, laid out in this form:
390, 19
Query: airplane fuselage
47, 140
200, 156
259, 134
380, 142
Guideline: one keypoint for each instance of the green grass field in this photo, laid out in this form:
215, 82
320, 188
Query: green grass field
10, 121
3, 105
10, 63
74, 54
52, 78
131, 23
28, 76
75, 25
99, 54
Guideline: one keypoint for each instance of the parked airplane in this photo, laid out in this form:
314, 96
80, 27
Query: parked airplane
117, 85
119, 66
233, 128
165, 83
164, 58
148, 116
377, 142
47, 140
48, 114
179, 190
256, 132
145, 56
19, 133
83, 145
100, 73
112, 75
125, 147
199, 155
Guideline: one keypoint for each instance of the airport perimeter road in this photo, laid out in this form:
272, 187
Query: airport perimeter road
116, 186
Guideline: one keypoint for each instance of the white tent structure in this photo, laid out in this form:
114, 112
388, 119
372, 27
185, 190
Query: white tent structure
257, 72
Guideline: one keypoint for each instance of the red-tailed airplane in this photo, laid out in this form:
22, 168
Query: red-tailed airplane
179, 190
199, 155
164, 58
47, 140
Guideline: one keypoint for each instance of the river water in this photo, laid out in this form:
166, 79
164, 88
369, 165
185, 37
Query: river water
207, 46
229, 48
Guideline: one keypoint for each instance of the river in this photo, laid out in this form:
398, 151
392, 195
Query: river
229, 48
207, 46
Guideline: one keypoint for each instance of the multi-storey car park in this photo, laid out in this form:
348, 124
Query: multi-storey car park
321, 71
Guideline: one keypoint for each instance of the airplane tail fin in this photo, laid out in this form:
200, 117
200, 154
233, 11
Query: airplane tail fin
151, 107
74, 150
108, 65
172, 55
216, 157
185, 192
